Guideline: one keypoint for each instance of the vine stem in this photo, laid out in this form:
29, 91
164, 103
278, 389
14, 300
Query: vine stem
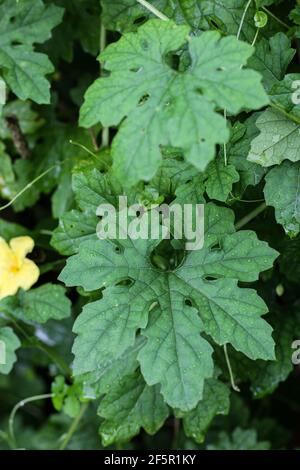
15, 410
245, 220
238, 37
233, 384
255, 37
28, 186
176, 434
153, 10
78, 144
73, 427
243, 19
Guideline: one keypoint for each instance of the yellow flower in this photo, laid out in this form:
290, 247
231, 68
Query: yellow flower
15, 269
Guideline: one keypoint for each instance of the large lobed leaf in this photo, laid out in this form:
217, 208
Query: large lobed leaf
164, 106
172, 308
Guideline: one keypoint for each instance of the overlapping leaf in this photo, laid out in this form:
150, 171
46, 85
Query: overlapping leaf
130, 405
9, 343
215, 402
282, 191
24, 24
279, 126
125, 15
38, 305
162, 104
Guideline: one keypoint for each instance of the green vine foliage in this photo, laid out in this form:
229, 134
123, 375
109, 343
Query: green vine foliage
143, 343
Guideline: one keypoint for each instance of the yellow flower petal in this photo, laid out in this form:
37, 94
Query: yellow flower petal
8, 285
16, 271
27, 275
21, 246
6, 256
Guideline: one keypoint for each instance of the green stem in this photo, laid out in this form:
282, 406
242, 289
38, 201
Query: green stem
28, 186
238, 37
153, 10
255, 37
252, 215
16, 408
83, 147
243, 19
73, 427
176, 434
233, 385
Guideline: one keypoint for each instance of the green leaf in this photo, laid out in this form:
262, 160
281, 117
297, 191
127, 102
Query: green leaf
282, 191
228, 15
279, 139
100, 381
220, 179
171, 174
10, 230
28, 119
238, 150
39, 304
67, 397
23, 24
129, 406
81, 23
240, 439
91, 188
174, 347
73, 229
272, 58
215, 402
175, 355
107, 327
162, 104
125, 15
285, 94
9, 343
265, 376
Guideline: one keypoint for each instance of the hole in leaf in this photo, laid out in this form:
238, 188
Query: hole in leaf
125, 282
136, 69
118, 250
173, 61
209, 278
215, 246
144, 99
140, 20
